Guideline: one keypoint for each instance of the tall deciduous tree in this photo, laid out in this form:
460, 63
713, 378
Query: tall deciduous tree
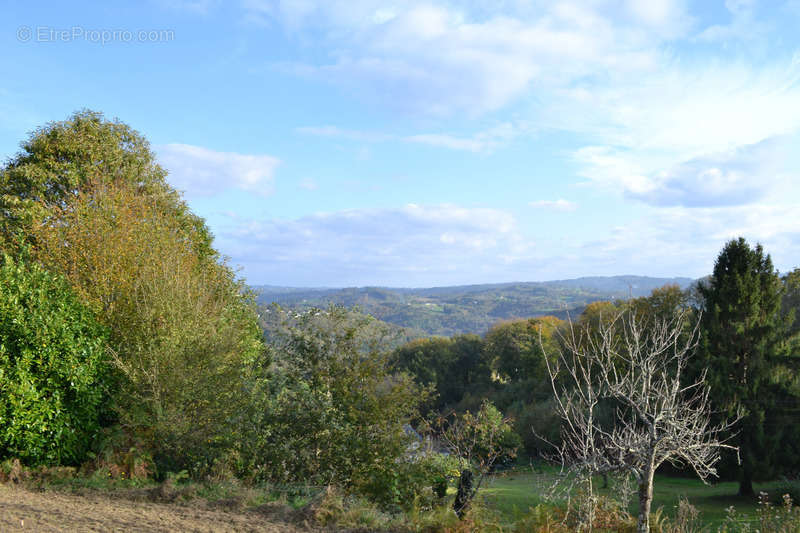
742, 330
181, 327
514, 351
60, 160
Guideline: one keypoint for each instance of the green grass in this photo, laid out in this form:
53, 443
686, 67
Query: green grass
710, 500
512, 494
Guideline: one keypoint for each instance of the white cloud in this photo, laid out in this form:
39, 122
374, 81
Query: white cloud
343, 133
435, 245
690, 135
743, 24
685, 241
555, 205
661, 15
736, 177
202, 172
308, 184
743, 175
606, 71
419, 245
687, 110
440, 59
410, 245
483, 141
447, 141
591, 67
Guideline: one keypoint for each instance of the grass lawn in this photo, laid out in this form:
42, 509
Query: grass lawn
512, 494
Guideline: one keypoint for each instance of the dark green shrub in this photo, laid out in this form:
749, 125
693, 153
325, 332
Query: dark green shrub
789, 485
51, 368
419, 479
538, 425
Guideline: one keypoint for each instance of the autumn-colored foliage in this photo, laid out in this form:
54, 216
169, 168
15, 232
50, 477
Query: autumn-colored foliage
181, 325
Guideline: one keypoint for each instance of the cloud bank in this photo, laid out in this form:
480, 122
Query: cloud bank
409, 245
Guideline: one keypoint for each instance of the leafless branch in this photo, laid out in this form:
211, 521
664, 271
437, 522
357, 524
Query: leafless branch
636, 367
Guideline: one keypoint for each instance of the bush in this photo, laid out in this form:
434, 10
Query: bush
52, 367
328, 409
539, 427
790, 486
419, 480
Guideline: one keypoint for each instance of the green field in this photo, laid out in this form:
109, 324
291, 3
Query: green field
512, 494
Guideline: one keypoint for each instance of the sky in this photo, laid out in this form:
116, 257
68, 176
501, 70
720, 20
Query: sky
426, 143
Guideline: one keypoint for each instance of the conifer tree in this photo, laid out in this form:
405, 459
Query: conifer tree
742, 330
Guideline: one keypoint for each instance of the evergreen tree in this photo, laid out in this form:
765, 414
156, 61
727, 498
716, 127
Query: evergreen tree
742, 330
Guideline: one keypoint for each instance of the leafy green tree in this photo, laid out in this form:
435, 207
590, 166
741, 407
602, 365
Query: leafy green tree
514, 350
597, 314
790, 307
742, 331
330, 409
430, 361
469, 376
663, 302
52, 367
62, 159
455, 367
785, 410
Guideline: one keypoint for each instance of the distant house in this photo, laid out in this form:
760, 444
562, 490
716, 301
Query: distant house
420, 445
416, 438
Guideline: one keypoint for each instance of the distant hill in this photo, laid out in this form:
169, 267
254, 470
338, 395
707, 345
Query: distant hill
468, 308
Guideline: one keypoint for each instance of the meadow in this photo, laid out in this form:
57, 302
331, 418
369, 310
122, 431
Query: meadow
513, 493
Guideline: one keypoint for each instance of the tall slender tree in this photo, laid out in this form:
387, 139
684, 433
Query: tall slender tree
742, 330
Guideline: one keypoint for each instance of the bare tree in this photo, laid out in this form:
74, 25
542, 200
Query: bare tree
634, 366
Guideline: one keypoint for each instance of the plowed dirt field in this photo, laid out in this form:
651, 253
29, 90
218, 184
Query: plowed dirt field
25, 510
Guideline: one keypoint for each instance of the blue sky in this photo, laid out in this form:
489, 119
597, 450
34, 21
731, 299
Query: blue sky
406, 143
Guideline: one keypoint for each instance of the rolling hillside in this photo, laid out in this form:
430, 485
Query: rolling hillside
468, 308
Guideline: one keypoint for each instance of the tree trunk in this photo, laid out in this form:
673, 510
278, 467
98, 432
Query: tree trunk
645, 500
464, 495
746, 484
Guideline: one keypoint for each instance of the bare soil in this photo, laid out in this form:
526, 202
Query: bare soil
22, 509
